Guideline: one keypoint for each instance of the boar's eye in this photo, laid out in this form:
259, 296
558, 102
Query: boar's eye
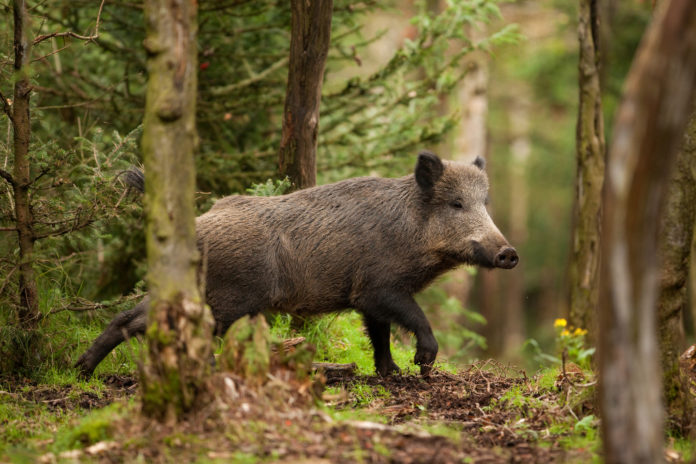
457, 204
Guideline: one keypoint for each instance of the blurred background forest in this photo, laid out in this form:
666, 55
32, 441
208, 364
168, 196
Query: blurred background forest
459, 78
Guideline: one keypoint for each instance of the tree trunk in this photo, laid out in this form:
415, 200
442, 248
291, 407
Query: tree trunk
649, 125
21, 176
469, 142
584, 265
472, 134
520, 148
677, 230
179, 324
309, 46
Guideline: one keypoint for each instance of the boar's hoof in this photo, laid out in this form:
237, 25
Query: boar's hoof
425, 358
84, 371
425, 369
506, 258
388, 369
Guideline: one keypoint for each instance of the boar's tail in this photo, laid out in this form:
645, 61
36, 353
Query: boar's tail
125, 325
134, 178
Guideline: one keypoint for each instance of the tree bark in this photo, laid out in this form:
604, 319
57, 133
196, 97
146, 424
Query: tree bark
591, 152
309, 46
472, 134
649, 125
520, 149
179, 324
677, 231
21, 176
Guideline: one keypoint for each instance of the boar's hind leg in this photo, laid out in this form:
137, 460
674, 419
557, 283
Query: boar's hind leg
403, 309
227, 310
125, 325
379, 336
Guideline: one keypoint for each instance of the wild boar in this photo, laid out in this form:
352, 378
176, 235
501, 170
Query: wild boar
366, 243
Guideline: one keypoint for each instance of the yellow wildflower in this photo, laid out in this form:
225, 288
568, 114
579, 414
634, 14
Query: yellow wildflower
565, 333
579, 332
560, 323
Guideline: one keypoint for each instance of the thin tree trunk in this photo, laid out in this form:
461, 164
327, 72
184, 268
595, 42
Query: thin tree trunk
471, 139
690, 320
677, 231
179, 325
513, 301
649, 125
21, 123
309, 46
584, 264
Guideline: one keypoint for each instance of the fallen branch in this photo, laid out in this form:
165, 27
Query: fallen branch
288, 344
334, 370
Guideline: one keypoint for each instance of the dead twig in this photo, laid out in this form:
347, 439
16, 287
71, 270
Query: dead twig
87, 38
41, 58
90, 306
7, 279
7, 108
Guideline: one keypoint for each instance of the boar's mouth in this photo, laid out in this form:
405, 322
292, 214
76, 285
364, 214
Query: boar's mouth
476, 254
504, 257
479, 256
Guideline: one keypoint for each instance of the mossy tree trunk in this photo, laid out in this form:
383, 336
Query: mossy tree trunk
21, 175
676, 235
309, 46
590, 157
649, 127
179, 324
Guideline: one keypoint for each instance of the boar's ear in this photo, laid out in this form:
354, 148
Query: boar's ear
428, 169
480, 163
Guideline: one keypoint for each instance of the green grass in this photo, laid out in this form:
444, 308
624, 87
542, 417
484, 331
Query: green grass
353, 414
26, 426
366, 395
58, 342
448, 430
341, 338
686, 448
94, 427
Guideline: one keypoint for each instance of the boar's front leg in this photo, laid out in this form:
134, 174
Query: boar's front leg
403, 309
379, 334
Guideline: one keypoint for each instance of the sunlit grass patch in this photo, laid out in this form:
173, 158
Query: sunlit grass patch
341, 338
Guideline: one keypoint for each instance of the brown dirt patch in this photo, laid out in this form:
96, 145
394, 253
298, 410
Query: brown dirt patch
282, 422
501, 433
64, 397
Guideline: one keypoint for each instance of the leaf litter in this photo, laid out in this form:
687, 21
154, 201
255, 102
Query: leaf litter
441, 418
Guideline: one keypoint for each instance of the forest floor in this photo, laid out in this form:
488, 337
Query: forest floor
486, 413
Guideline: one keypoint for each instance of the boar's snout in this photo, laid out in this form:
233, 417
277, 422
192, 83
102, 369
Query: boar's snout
506, 258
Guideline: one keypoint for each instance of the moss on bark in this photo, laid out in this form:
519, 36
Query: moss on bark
246, 349
584, 265
677, 230
179, 324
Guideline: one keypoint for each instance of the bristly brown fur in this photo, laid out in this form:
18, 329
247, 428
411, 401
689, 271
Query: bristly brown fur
366, 243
